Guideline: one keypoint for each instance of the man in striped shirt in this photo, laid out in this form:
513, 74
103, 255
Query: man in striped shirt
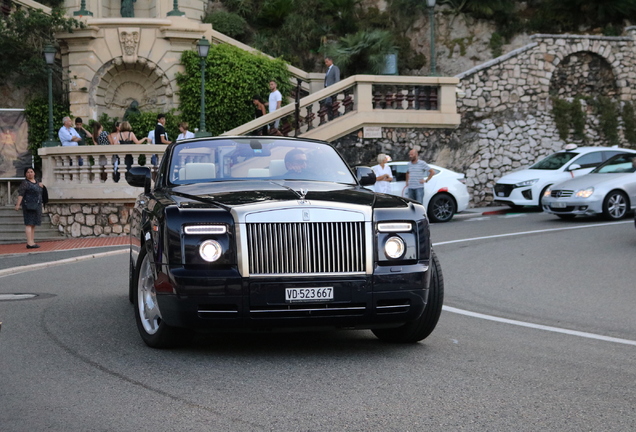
419, 172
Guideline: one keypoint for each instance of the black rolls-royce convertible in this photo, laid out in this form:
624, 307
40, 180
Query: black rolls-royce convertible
267, 233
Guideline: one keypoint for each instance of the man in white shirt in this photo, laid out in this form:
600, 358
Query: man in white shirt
67, 134
383, 175
69, 137
151, 137
275, 100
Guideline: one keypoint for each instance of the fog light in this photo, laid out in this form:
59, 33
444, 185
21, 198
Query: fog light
394, 247
210, 250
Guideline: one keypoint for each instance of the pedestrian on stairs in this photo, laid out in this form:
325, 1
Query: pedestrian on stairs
30, 199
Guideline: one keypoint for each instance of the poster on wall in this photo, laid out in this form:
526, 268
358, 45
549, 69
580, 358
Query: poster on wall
14, 143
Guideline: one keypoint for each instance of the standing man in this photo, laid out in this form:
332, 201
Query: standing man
161, 137
418, 173
67, 134
332, 76
83, 133
275, 100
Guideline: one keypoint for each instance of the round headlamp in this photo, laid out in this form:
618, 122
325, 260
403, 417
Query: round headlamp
210, 250
394, 247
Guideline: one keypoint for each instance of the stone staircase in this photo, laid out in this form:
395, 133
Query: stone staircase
12, 227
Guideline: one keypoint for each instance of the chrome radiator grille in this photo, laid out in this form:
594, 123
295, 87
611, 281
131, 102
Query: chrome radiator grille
306, 248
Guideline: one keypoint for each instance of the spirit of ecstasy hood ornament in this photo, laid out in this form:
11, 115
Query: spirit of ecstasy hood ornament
302, 193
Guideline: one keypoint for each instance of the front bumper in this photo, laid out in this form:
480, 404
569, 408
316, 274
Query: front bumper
574, 206
390, 297
519, 196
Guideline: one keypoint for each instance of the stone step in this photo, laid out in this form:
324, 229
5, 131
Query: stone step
12, 227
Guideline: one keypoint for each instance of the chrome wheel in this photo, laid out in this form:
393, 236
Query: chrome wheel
615, 206
149, 313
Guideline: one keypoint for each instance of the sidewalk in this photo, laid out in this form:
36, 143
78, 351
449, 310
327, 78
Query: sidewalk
64, 244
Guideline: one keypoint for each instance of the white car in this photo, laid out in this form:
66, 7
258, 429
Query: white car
609, 190
525, 187
444, 195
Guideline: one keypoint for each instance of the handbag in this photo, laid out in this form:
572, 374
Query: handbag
45, 195
31, 206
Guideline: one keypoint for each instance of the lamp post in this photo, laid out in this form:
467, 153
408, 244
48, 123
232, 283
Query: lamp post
431, 15
49, 57
203, 46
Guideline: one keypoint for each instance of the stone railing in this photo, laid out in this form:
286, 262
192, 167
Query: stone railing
95, 173
366, 100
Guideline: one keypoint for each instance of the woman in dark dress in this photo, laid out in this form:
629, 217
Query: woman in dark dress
259, 111
30, 199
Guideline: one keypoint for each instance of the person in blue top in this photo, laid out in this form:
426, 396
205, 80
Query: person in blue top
418, 173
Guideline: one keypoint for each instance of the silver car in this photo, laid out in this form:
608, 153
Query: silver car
610, 190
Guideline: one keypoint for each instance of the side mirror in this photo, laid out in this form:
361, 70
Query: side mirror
574, 167
139, 177
365, 176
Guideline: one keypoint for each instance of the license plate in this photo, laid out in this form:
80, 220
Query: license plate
500, 194
558, 205
308, 294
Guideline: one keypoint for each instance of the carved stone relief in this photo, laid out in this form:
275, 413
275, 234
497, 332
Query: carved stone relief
129, 40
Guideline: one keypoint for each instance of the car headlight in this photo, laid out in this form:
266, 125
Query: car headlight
547, 192
527, 183
394, 247
210, 250
584, 193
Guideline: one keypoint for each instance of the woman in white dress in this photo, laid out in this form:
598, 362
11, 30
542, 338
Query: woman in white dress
383, 175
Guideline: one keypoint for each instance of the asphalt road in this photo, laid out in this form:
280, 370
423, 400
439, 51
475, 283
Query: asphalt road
538, 333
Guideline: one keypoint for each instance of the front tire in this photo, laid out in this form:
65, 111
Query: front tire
422, 327
152, 329
615, 205
441, 208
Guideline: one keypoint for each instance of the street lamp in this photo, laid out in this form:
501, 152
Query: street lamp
431, 15
49, 57
203, 46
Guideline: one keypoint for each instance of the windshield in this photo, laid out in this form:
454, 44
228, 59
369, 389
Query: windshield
266, 158
622, 163
554, 161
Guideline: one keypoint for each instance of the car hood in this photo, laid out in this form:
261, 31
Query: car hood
595, 180
239, 193
526, 174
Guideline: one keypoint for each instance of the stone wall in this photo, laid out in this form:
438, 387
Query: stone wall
90, 220
506, 109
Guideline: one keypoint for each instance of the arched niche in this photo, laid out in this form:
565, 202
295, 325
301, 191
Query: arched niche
117, 84
583, 73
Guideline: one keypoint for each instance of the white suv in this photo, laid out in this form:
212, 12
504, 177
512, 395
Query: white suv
525, 187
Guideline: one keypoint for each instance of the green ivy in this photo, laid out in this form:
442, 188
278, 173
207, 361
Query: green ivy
629, 123
578, 118
569, 116
607, 111
37, 117
561, 112
232, 78
496, 44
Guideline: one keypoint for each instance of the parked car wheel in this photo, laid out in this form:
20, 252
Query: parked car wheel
153, 330
615, 205
422, 327
131, 281
441, 208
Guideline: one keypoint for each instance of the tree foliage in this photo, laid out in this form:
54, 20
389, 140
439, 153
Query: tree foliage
23, 35
362, 52
232, 78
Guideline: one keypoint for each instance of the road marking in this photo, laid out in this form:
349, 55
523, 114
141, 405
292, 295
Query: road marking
478, 219
531, 232
21, 269
539, 326
512, 215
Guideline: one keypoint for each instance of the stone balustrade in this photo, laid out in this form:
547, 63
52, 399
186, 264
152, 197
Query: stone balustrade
366, 100
95, 173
